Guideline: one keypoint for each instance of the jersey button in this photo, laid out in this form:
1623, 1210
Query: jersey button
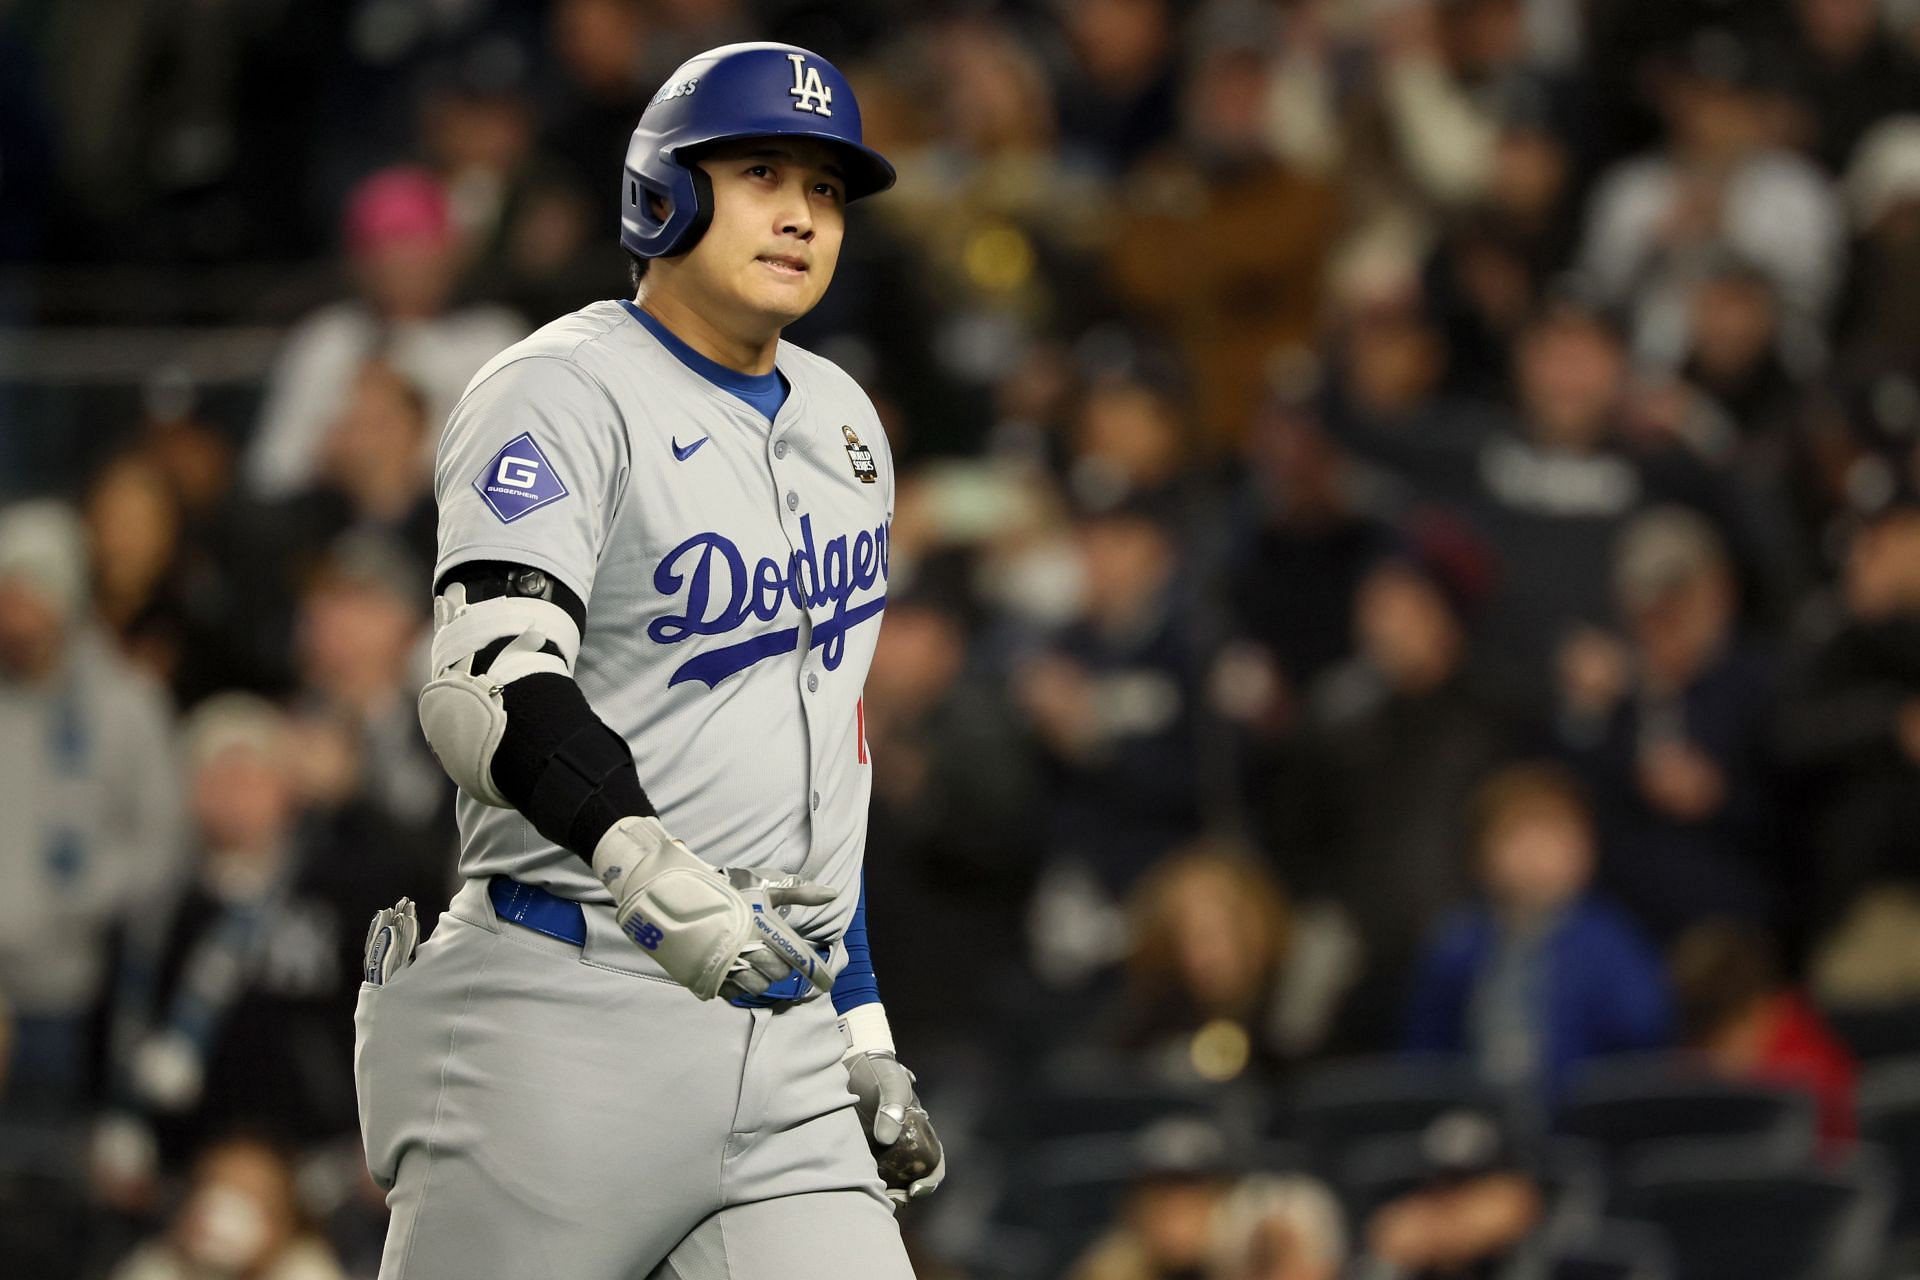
813, 682
793, 500
779, 448
816, 799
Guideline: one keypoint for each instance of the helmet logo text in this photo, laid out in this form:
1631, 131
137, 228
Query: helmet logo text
668, 92
809, 92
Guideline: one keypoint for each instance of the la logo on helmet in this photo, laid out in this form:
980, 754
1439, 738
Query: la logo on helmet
809, 92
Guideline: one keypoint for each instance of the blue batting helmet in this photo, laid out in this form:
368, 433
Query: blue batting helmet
735, 91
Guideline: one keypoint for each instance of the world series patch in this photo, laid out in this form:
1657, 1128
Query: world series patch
864, 469
518, 479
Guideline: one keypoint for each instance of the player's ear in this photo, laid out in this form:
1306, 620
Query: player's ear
657, 205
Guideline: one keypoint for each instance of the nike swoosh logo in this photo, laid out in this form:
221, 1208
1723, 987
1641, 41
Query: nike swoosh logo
684, 454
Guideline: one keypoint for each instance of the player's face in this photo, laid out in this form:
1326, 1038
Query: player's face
779, 210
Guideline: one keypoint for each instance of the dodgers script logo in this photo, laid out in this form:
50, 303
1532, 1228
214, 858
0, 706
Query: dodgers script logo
722, 595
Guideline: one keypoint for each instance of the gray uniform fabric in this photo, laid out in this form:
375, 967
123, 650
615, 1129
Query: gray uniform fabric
735, 686
537, 1108
537, 1115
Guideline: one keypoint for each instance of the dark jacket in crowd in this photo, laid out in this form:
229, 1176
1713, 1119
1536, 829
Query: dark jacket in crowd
1669, 872
1373, 797
1856, 791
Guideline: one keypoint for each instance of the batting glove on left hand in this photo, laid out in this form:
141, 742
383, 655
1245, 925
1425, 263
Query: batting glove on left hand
906, 1149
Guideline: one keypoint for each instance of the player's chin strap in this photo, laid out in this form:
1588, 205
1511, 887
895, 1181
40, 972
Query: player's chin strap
478, 650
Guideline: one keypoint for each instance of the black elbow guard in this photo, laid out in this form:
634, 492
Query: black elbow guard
561, 766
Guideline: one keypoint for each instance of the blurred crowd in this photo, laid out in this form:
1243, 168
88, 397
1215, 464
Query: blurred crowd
1407, 552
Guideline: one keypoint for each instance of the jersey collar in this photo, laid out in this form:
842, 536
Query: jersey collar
756, 389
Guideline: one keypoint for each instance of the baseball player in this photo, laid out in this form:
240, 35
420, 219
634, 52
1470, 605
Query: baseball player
663, 556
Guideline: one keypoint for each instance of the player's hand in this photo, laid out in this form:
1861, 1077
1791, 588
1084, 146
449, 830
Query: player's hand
905, 1147
712, 936
766, 963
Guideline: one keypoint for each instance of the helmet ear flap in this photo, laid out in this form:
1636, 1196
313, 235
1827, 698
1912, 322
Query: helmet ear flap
702, 210
689, 201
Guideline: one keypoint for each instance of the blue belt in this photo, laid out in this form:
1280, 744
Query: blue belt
532, 907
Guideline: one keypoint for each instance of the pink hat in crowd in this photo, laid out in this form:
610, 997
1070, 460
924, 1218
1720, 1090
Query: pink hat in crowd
396, 205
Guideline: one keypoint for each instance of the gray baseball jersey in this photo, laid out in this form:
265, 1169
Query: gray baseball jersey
535, 1105
734, 577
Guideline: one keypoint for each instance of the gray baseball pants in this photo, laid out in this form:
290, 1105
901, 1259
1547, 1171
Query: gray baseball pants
533, 1113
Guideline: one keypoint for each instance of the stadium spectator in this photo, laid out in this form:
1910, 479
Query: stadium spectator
1120, 95
1245, 291
988, 210
1278, 1227
1882, 321
1849, 720
401, 242
1222, 975
1674, 752
374, 474
1402, 709
1496, 255
600, 48
1475, 1206
91, 799
1182, 1170
1552, 494
1111, 700
1128, 439
522, 218
359, 627
180, 438
953, 795
134, 540
167, 577
1300, 546
241, 1217
1442, 71
1851, 72
1539, 975
235, 1002
1866, 964
1385, 400
1740, 1013
1726, 437
1724, 179
203, 999
1735, 354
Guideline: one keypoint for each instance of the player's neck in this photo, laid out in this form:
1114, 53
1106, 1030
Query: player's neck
743, 355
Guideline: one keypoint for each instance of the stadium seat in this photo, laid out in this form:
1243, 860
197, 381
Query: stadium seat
1379, 1169
46, 1224
1731, 1211
1067, 1191
1877, 1030
1621, 1106
1889, 1103
1092, 1095
1612, 1251
1344, 1103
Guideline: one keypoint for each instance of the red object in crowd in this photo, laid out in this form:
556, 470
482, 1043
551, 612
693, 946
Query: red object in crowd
1798, 1048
